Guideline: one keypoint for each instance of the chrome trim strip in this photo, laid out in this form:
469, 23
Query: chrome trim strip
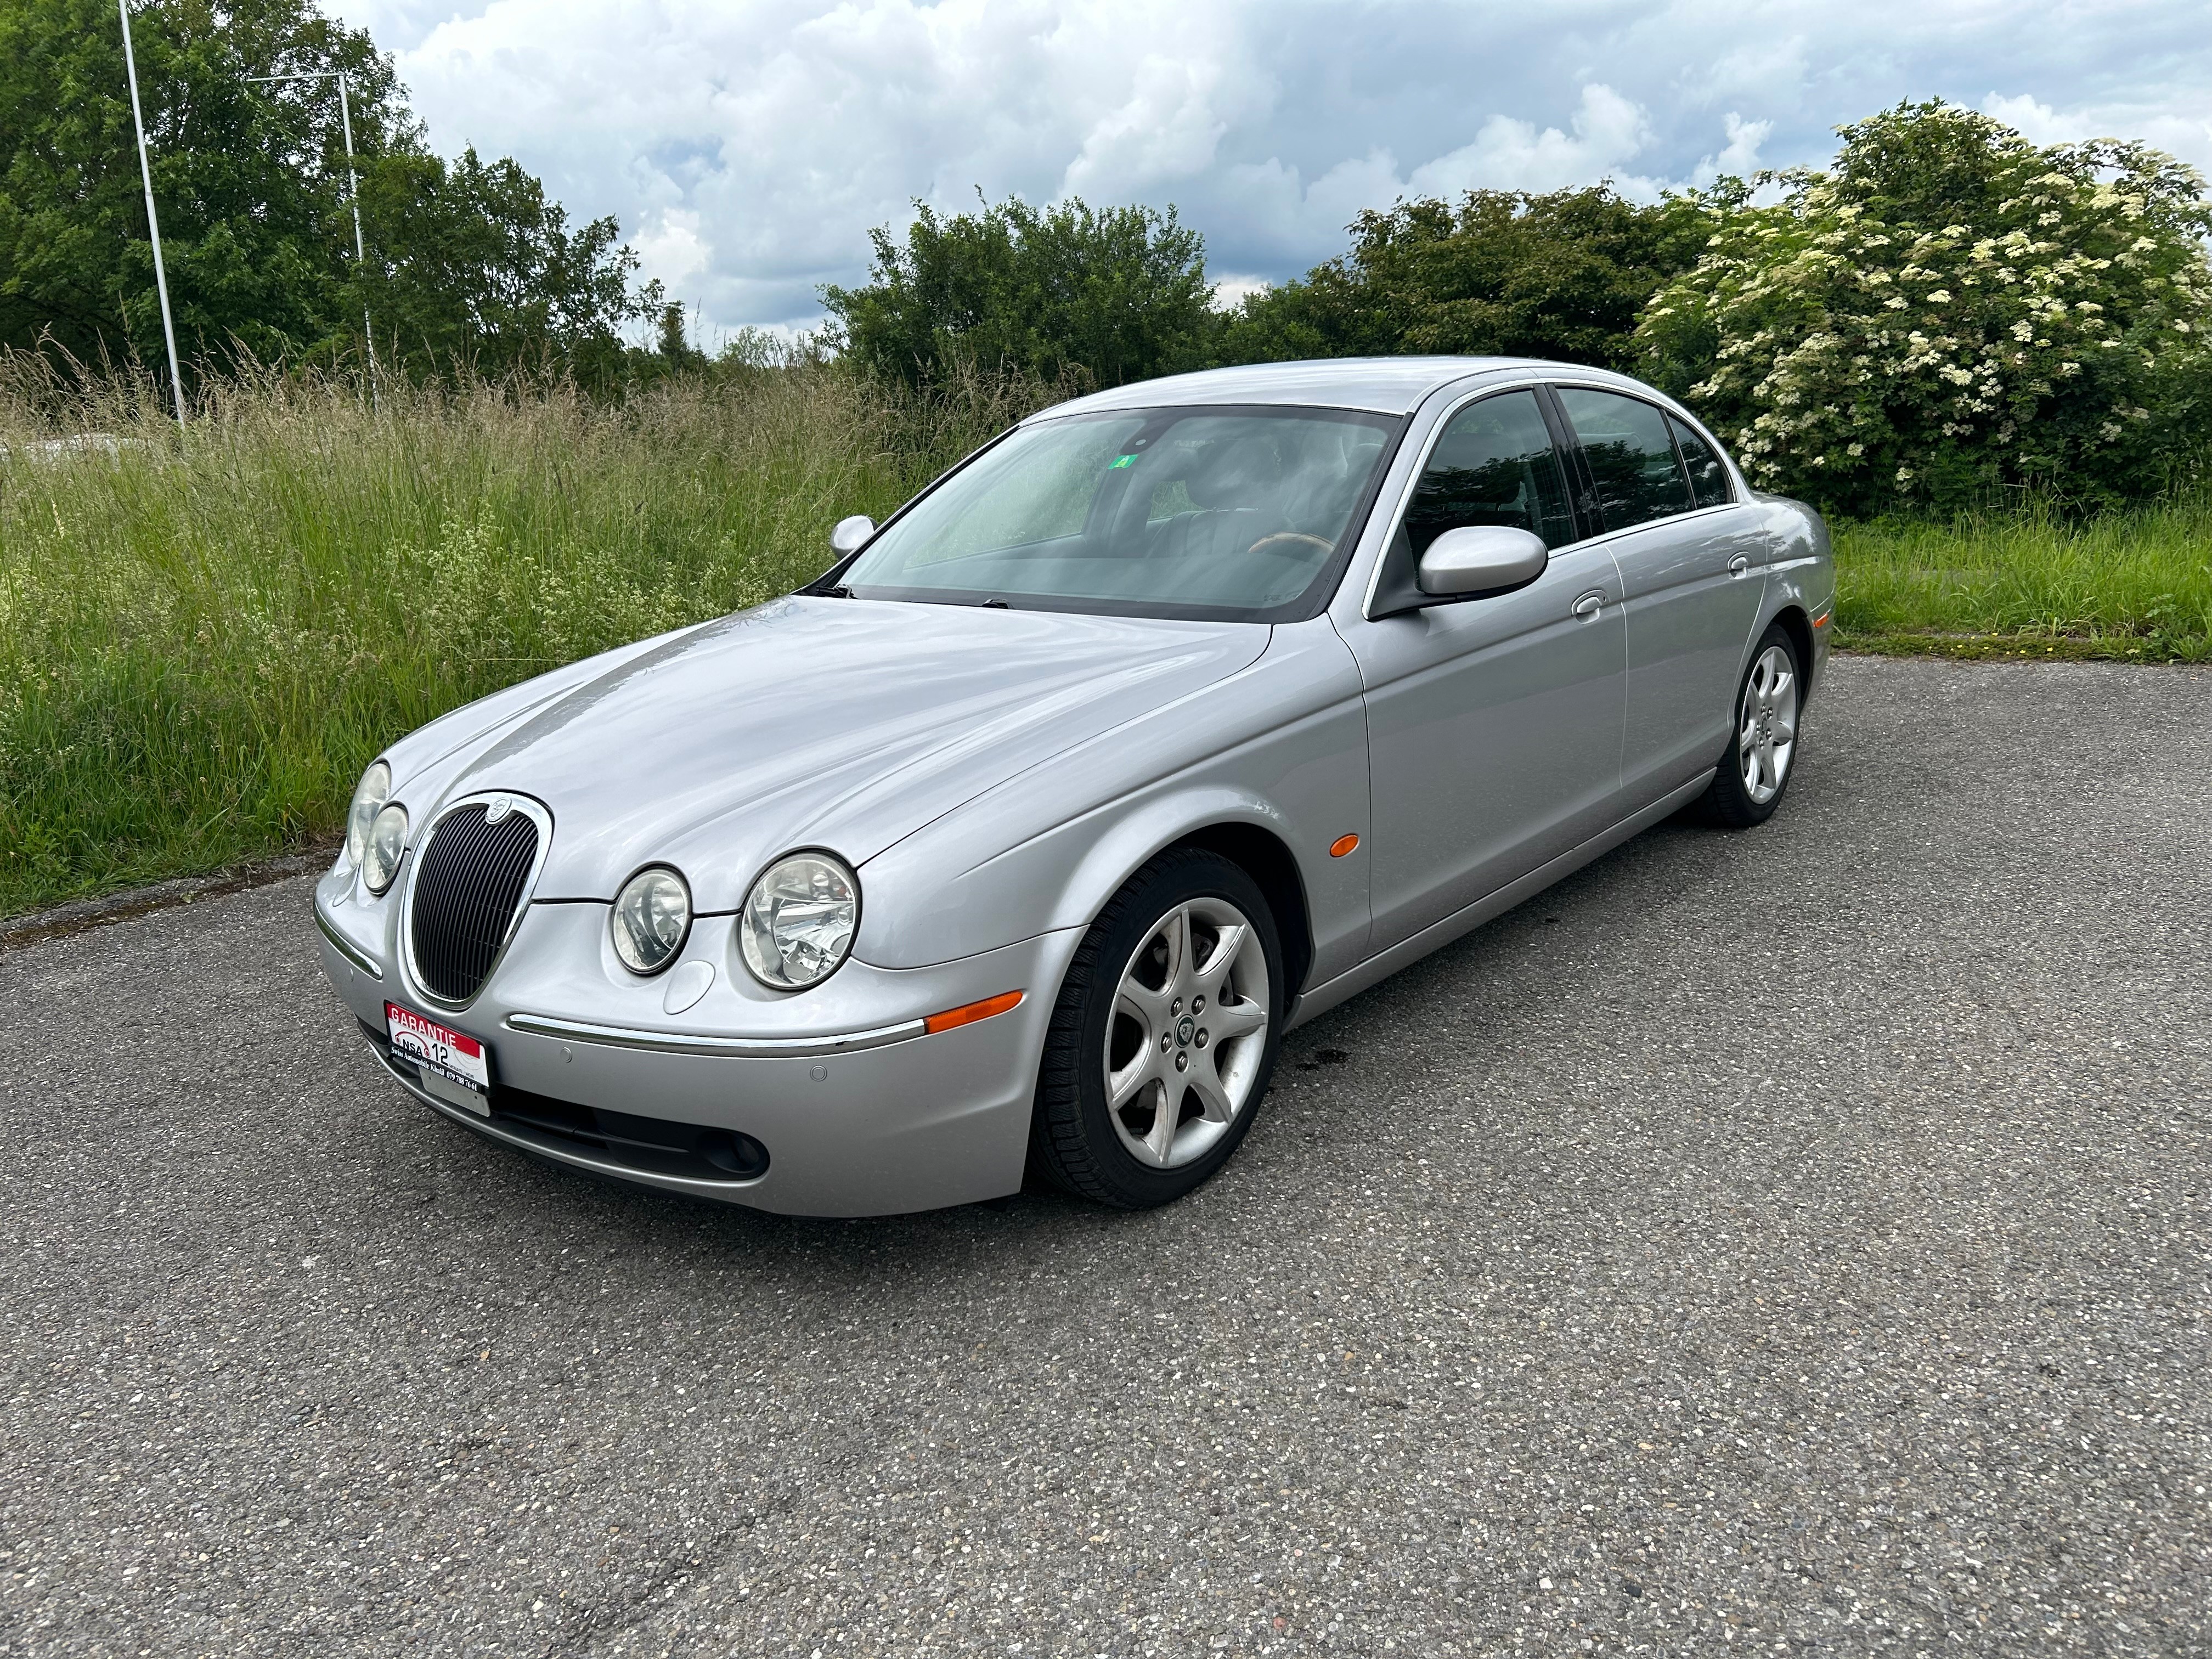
539, 814
1320, 998
346, 948
1511, 380
1523, 380
676, 1043
546, 1148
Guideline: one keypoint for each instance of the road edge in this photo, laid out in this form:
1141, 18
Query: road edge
83, 915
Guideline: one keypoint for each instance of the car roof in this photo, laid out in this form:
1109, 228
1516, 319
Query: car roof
1386, 385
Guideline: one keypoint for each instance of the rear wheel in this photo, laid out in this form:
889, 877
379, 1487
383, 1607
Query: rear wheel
1162, 1042
1755, 769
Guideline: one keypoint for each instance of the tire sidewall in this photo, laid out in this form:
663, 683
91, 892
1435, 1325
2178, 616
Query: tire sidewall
1170, 880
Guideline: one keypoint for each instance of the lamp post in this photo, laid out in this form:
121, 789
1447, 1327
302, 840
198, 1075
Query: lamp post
153, 224
353, 192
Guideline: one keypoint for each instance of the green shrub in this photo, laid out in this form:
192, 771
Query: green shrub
1504, 273
1066, 294
1949, 312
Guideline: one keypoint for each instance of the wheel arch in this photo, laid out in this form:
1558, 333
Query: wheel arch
1794, 622
1267, 857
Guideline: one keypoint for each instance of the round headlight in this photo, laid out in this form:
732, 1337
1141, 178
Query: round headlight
653, 913
799, 920
369, 796
386, 840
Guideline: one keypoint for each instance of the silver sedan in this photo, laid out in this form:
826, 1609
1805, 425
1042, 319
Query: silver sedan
1009, 848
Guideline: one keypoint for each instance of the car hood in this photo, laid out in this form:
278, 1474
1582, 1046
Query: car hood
845, 724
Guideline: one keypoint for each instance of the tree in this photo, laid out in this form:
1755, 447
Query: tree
1950, 311
1508, 273
470, 265
250, 180
1109, 297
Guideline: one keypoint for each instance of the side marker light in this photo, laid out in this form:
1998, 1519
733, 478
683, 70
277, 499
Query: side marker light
1342, 845
969, 1013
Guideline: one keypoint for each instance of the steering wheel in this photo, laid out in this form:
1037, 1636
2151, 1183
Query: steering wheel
1278, 544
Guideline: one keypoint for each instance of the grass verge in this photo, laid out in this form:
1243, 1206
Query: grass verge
204, 637
2134, 586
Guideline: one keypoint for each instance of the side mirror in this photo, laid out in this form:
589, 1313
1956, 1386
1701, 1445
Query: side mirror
851, 534
1480, 558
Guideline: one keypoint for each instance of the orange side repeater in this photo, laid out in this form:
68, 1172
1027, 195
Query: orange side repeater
969, 1013
1342, 845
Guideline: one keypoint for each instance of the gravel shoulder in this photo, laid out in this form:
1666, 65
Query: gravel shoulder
1685, 1259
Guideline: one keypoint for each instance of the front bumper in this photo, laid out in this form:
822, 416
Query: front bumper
910, 1122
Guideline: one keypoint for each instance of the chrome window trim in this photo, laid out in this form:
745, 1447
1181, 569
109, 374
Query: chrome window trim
677, 1042
538, 814
1739, 486
1526, 382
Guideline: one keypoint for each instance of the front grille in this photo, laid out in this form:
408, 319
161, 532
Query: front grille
467, 887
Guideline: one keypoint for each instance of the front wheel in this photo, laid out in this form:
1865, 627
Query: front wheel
1755, 769
1164, 1035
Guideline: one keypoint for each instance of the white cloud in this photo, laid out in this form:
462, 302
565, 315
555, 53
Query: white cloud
1230, 292
2036, 122
748, 146
1607, 131
1739, 158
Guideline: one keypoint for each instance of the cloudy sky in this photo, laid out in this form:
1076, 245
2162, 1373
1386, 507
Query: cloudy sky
747, 146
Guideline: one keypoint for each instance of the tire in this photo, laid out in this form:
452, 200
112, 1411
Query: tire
1203, 1047
1763, 736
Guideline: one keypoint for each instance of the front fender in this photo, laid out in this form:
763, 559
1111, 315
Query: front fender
1047, 850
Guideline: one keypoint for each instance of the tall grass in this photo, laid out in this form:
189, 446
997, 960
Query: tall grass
205, 636
2136, 585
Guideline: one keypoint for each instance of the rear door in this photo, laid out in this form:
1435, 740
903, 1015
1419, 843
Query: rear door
1494, 725
1692, 568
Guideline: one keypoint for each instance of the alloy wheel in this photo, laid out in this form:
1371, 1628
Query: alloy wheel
1766, 725
1187, 1034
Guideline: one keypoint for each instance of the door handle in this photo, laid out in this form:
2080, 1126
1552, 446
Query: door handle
1739, 564
1588, 605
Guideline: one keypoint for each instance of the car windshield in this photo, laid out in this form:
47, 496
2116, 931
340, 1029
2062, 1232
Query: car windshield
1192, 511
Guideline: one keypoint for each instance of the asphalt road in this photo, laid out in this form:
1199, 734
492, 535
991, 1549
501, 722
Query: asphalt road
1797, 1240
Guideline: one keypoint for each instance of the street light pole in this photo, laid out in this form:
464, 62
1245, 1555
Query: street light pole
360, 249
353, 192
152, 223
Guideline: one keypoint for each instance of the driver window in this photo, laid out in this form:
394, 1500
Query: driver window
1495, 463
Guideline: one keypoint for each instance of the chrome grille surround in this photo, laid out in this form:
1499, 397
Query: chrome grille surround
479, 852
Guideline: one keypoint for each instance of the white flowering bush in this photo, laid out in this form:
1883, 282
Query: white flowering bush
1947, 313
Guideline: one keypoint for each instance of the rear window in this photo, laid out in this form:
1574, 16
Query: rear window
1709, 479
1631, 457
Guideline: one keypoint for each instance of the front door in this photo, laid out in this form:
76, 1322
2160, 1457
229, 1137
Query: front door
1494, 725
1693, 569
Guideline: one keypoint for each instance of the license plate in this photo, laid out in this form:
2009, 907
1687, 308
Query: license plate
454, 1064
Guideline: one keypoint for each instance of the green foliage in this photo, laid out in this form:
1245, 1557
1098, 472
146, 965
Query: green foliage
469, 264
1065, 293
1950, 312
1505, 273
205, 635
469, 261
2132, 584
250, 183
